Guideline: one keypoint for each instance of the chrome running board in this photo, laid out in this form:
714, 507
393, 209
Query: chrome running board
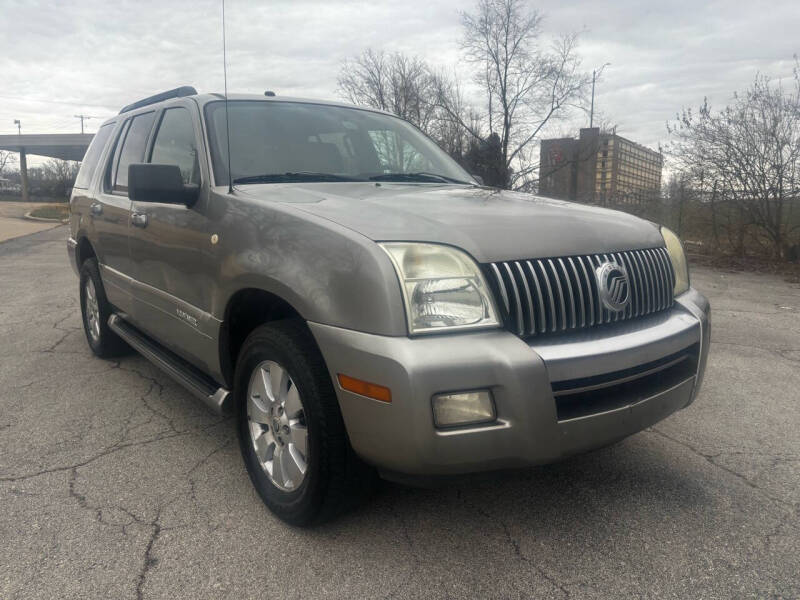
216, 398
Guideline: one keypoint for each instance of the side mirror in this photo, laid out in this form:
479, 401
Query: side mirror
160, 183
478, 178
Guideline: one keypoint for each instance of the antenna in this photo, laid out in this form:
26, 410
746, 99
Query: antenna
227, 122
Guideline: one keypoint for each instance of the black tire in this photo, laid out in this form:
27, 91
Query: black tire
103, 342
335, 478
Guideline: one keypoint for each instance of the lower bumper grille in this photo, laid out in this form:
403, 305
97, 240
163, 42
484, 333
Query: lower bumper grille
587, 396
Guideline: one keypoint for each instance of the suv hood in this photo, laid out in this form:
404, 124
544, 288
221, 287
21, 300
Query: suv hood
490, 224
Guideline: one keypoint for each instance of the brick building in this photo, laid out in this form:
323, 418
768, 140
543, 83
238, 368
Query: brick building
599, 168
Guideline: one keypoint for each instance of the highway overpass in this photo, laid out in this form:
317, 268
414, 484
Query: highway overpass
67, 146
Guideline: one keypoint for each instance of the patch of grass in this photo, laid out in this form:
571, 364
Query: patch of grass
53, 211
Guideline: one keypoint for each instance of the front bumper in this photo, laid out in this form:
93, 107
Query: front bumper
535, 424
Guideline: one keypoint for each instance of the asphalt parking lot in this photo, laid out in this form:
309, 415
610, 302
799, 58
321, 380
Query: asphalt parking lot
115, 483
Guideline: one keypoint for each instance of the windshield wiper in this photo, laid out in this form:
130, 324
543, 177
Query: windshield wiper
420, 176
291, 177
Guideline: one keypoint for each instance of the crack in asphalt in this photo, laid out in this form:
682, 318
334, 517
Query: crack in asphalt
513, 542
710, 458
201, 463
149, 560
108, 451
24, 386
97, 510
155, 385
66, 332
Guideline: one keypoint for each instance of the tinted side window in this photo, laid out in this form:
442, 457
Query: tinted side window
111, 165
175, 144
89, 163
132, 149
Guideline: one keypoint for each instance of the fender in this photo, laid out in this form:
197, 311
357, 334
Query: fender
329, 274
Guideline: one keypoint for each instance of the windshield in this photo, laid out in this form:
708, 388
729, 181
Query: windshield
279, 142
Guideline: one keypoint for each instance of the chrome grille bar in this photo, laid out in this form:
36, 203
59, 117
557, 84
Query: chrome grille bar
546, 295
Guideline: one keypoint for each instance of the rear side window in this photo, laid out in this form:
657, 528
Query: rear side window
175, 144
89, 163
111, 167
132, 150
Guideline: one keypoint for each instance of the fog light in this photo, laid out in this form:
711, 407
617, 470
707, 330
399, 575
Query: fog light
463, 408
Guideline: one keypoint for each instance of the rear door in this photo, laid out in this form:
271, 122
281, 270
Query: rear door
171, 248
111, 209
83, 202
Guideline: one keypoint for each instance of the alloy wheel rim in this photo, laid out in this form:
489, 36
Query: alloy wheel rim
92, 310
277, 425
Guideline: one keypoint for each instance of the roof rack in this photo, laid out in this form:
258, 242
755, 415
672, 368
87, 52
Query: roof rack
179, 92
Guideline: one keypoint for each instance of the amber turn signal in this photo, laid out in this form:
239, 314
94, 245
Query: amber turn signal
365, 388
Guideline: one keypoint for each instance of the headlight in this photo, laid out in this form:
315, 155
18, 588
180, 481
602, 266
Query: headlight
678, 258
443, 288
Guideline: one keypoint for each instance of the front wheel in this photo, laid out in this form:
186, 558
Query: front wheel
291, 432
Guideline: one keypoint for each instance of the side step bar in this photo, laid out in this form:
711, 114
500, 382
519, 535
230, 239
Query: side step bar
216, 398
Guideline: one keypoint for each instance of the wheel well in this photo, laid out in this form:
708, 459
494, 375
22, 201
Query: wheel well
246, 310
84, 251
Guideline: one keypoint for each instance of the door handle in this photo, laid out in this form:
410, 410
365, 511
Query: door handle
139, 219
96, 208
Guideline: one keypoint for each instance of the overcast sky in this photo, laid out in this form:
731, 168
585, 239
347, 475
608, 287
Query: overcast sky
59, 59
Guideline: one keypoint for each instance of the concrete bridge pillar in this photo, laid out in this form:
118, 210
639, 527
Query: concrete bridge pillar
23, 173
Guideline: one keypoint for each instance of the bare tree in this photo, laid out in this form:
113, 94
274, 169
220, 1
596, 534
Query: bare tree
454, 127
58, 177
6, 160
394, 82
526, 84
409, 88
748, 153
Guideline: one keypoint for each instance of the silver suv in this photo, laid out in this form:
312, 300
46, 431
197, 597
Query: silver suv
363, 305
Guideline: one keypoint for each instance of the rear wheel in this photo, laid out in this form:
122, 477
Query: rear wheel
291, 432
95, 310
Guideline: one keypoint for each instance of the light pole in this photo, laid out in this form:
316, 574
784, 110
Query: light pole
595, 73
19, 126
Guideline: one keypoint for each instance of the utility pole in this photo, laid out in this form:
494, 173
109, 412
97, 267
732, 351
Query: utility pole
82, 117
19, 126
595, 73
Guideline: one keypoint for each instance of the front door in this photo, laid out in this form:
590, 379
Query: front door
170, 249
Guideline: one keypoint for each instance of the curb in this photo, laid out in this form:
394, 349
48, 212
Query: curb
43, 220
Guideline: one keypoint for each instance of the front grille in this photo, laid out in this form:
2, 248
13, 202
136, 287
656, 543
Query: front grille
549, 295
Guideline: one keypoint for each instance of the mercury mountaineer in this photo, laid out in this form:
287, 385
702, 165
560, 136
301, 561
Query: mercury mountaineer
363, 305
